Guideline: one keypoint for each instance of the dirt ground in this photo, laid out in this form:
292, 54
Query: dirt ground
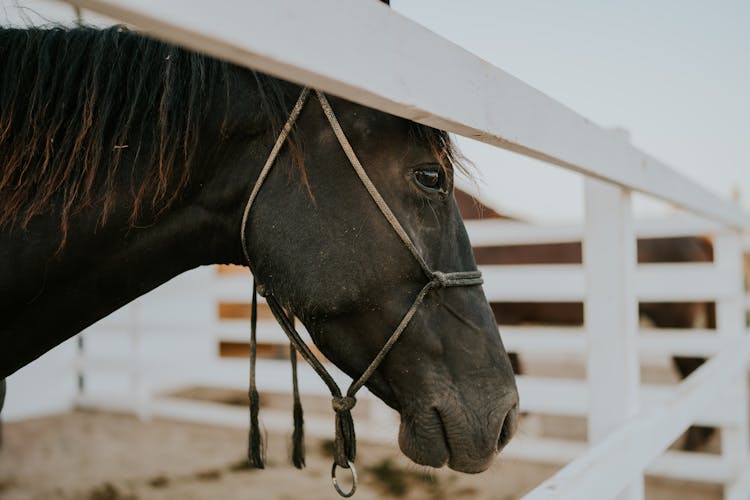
102, 456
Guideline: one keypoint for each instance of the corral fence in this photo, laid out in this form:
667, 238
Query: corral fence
139, 358
629, 424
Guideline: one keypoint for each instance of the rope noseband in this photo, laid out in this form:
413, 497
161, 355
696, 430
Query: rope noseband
345, 440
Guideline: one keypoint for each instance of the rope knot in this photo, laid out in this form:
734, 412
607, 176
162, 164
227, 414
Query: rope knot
440, 278
343, 403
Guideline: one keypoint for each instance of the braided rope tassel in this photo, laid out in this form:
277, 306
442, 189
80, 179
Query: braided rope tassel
255, 449
298, 435
345, 442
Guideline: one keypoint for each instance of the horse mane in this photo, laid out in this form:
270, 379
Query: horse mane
75, 101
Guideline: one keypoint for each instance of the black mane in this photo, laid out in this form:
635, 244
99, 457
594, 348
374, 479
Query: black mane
74, 101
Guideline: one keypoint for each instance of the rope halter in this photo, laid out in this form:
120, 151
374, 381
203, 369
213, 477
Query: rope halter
345, 440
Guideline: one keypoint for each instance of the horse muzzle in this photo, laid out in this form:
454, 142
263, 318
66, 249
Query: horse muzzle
450, 433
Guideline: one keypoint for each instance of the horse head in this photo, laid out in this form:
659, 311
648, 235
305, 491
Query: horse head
318, 242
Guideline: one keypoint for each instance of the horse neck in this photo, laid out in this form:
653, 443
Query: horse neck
49, 296
48, 293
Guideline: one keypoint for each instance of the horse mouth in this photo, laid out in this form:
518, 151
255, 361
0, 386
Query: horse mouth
436, 438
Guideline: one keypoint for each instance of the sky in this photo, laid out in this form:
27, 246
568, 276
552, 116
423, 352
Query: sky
674, 73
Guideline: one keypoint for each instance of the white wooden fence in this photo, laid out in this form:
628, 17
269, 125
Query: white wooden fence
169, 339
720, 403
628, 428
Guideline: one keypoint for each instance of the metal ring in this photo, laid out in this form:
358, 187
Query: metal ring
336, 482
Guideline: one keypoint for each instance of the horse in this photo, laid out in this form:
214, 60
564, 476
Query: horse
125, 161
649, 250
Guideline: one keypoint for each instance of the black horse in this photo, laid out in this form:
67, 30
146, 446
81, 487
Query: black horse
125, 162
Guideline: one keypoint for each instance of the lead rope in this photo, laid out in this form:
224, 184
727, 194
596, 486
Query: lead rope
255, 448
345, 438
298, 434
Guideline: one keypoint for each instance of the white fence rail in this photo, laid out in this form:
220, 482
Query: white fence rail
377, 68
624, 453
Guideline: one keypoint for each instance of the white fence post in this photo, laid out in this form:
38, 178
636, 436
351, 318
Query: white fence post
138, 382
730, 323
78, 361
611, 313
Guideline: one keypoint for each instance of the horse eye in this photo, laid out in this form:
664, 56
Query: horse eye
428, 178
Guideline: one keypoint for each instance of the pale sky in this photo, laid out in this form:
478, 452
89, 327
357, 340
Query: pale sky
675, 73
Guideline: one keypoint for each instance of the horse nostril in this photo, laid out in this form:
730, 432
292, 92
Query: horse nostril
510, 424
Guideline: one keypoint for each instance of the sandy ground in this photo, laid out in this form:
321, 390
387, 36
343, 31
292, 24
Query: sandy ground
101, 456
